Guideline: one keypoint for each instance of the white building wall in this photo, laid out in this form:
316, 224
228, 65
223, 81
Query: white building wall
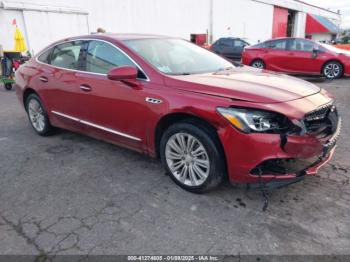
302, 7
300, 25
321, 37
242, 18
7, 30
166, 17
62, 18
171, 17
40, 24
43, 28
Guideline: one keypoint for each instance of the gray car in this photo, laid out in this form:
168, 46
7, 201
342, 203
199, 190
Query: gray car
230, 47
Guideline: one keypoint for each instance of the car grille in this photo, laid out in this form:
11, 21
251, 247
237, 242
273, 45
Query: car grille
323, 121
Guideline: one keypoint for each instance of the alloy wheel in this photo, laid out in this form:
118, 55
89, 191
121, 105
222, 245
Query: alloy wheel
258, 64
36, 115
187, 159
332, 70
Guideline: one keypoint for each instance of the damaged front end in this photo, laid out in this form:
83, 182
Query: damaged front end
302, 148
266, 146
310, 148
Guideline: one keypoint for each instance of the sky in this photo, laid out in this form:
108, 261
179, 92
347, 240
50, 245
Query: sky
335, 5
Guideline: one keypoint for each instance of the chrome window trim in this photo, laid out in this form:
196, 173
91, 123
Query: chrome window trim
96, 126
86, 72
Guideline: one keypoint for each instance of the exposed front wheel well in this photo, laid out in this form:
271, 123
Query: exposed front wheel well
171, 119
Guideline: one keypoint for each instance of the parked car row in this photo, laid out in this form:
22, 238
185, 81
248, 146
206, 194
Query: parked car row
288, 55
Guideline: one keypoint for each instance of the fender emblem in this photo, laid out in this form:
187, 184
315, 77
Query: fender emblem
153, 100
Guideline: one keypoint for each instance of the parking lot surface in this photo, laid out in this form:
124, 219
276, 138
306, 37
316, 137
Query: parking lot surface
70, 194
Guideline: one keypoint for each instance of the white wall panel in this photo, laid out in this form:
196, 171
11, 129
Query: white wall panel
322, 37
300, 24
46, 27
166, 17
7, 30
244, 18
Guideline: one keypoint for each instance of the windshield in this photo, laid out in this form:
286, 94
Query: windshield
178, 57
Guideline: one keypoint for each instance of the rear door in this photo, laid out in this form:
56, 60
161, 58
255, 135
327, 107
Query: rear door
58, 86
276, 55
238, 47
226, 47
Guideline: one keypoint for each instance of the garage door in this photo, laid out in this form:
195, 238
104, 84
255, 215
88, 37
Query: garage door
280, 22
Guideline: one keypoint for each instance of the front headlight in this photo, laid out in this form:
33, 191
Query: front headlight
253, 120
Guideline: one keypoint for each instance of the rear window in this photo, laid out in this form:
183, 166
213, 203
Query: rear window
260, 45
278, 44
45, 56
226, 42
67, 55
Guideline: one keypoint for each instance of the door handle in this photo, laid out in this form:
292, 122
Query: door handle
85, 88
43, 79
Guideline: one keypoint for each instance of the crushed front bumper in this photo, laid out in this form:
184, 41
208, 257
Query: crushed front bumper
255, 158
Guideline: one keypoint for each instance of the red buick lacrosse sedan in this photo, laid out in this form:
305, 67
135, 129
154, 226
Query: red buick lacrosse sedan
203, 116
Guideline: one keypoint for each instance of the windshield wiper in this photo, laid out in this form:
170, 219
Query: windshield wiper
223, 69
180, 74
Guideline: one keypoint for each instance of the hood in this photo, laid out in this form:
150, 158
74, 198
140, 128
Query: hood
336, 50
247, 84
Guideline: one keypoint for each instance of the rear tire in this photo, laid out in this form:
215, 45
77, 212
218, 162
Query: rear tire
37, 115
8, 86
332, 70
190, 154
258, 63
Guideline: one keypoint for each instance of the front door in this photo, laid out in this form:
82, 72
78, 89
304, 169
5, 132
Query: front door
303, 59
113, 109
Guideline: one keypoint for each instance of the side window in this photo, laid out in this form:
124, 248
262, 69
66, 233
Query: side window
45, 56
102, 57
278, 44
226, 42
238, 43
262, 45
302, 45
67, 55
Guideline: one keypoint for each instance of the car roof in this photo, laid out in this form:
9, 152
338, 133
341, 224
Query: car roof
135, 36
286, 38
119, 37
229, 37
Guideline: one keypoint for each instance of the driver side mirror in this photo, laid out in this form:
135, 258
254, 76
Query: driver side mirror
122, 73
315, 52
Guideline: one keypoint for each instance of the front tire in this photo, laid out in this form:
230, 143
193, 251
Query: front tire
8, 86
258, 63
192, 157
332, 70
38, 116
